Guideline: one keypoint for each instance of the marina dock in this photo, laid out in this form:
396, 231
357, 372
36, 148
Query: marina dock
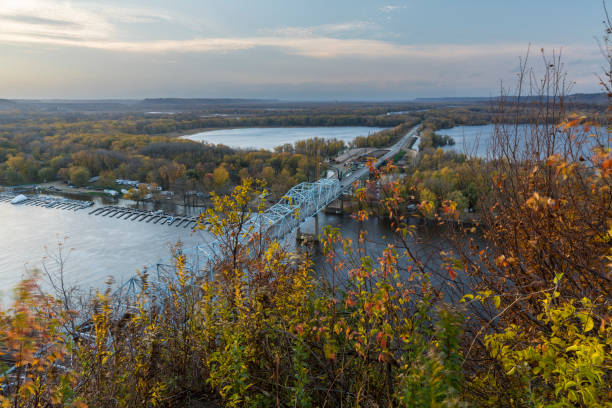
122, 213
153, 217
48, 202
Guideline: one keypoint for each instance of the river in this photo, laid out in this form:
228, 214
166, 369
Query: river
472, 140
269, 138
475, 140
94, 247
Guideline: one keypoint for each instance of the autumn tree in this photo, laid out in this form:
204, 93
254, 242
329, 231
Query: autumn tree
79, 176
543, 260
31, 341
107, 179
220, 176
171, 172
46, 174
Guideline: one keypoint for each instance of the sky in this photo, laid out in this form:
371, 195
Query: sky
289, 49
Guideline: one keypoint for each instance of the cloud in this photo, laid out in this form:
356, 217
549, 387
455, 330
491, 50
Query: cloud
391, 8
133, 15
321, 30
52, 23
295, 43
35, 20
39, 19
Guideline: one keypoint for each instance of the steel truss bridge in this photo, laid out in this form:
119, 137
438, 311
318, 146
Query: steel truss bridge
299, 203
302, 201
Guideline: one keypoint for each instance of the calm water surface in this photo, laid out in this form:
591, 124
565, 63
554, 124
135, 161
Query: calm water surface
269, 138
475, 140
472, 140
95, 247
99, 247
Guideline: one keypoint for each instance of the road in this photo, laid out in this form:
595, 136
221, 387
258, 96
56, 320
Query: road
393, 150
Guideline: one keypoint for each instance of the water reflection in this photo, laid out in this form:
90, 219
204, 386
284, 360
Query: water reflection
425, 244
94, 247
167, 206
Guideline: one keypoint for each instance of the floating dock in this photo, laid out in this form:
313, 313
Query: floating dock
123, 213
155, 217
48, 202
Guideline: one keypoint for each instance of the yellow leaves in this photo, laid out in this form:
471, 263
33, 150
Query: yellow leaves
449, 207
497, 301
533, 201
553, 160
570, 360
361, 215
588, 324
597, 358
29, 336
427, 207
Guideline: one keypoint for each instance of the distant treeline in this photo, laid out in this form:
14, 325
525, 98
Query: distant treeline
171, 124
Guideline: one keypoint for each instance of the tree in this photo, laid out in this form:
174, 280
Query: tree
220, 176
459, 199
79, 176
428, 198
243, 173
547, 211
46, 174
171, 172
268, 174
30, 336
141, 193
107, 179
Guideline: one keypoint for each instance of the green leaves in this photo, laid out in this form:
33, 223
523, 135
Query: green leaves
564, 367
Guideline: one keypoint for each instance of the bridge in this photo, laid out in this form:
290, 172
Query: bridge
302, 201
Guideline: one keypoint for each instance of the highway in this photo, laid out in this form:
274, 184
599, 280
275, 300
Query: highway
347, 182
